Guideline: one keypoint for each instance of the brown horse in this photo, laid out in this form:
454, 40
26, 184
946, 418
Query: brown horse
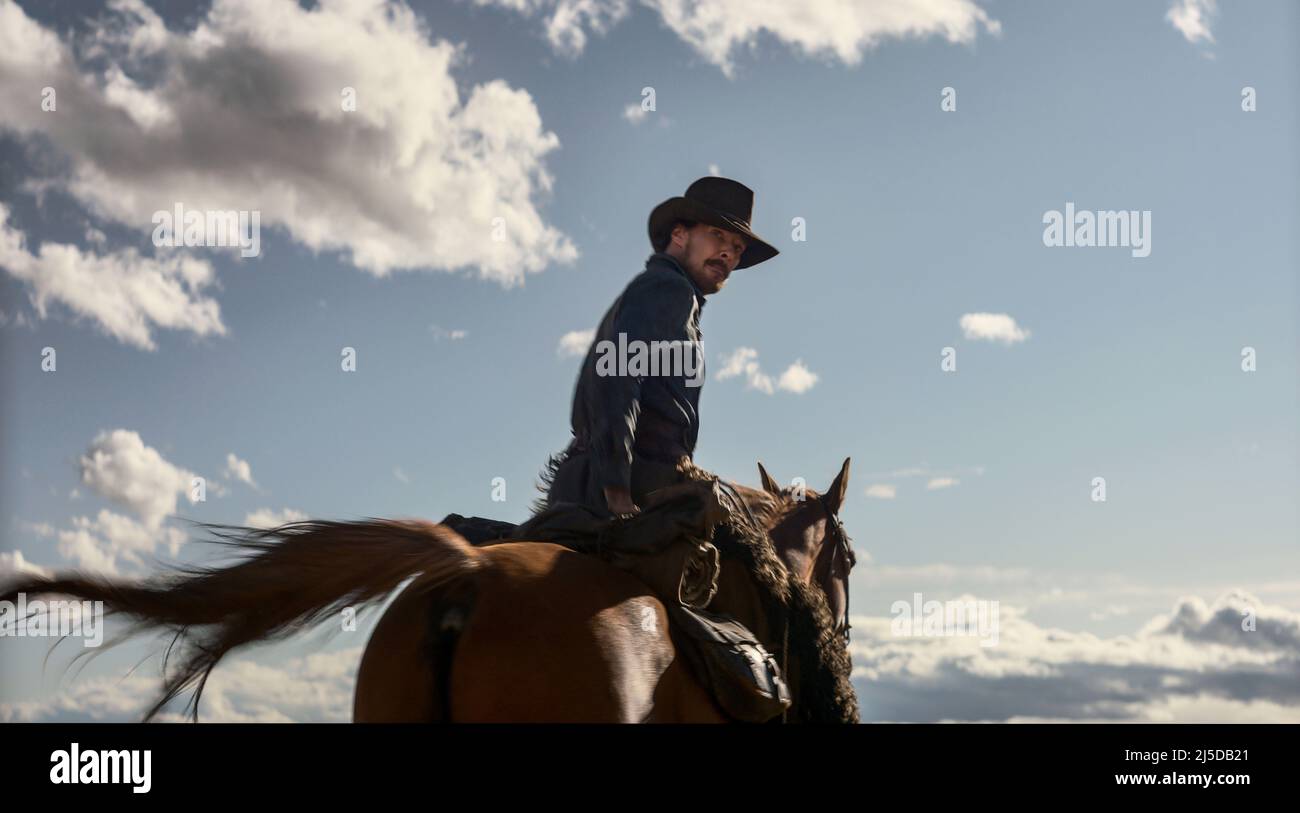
512, 632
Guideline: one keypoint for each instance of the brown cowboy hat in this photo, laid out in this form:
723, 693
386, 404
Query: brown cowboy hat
720, 202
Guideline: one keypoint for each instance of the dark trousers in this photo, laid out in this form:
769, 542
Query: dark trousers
575, 480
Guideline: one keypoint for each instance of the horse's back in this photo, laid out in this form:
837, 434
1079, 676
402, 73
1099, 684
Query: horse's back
560, 636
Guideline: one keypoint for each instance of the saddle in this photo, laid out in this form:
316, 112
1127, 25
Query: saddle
666, 546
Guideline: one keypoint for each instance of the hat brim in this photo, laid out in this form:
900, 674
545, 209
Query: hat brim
757, 249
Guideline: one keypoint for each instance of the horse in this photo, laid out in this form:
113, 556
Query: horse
514, 631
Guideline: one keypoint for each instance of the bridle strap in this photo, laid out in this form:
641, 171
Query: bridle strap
843, 546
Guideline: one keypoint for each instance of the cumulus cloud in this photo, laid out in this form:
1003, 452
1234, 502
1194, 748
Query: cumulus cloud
1222, 623
1193, 18
575, 343
313, 689
743, 361
125, 294
716, 29
266, 518
797, 378
941, 482
103, 543
567, 21
992, 327
1196, 664
239, 470
122, 468
246, 111
881, 491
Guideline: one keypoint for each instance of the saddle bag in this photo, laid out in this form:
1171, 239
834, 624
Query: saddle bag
745, 678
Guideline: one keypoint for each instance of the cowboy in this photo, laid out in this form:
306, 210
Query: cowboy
633, 432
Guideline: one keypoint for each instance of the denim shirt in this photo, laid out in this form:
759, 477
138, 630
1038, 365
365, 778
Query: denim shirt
662, 303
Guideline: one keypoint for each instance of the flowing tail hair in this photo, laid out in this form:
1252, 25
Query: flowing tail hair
295, 576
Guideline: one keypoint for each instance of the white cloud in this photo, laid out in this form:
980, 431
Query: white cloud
993, 327
120, 467
101, 699
12, 563
744, 361
401, 475
125, 294
1195, 664
312, 689
1192, 19
575, 343
567, 21
717, 29
440, 333
714, 171
101, 544
635, 113
797, 378
881, 491
245, 112
239, 470
266, 518
941, 482
39, 528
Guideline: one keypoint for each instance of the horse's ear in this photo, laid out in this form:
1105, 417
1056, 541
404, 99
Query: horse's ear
839, 489
769, 485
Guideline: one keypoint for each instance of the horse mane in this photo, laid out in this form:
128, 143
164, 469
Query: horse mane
825, 690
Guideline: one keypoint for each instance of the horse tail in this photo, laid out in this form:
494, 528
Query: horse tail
296, 576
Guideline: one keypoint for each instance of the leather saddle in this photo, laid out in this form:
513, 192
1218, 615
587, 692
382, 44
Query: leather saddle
666, 547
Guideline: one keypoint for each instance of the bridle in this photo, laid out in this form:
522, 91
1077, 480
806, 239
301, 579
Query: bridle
842, 543
843, 547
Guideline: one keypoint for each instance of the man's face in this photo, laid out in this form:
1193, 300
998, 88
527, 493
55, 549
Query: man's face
708, 253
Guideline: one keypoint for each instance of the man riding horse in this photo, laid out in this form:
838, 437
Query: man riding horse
632, 432
635, 430
626, 488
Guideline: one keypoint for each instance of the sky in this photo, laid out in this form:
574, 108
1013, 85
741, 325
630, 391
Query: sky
465, 225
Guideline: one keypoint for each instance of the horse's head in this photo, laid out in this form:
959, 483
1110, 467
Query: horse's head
811, 541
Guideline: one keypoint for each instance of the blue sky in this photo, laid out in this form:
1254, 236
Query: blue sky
1130, 368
